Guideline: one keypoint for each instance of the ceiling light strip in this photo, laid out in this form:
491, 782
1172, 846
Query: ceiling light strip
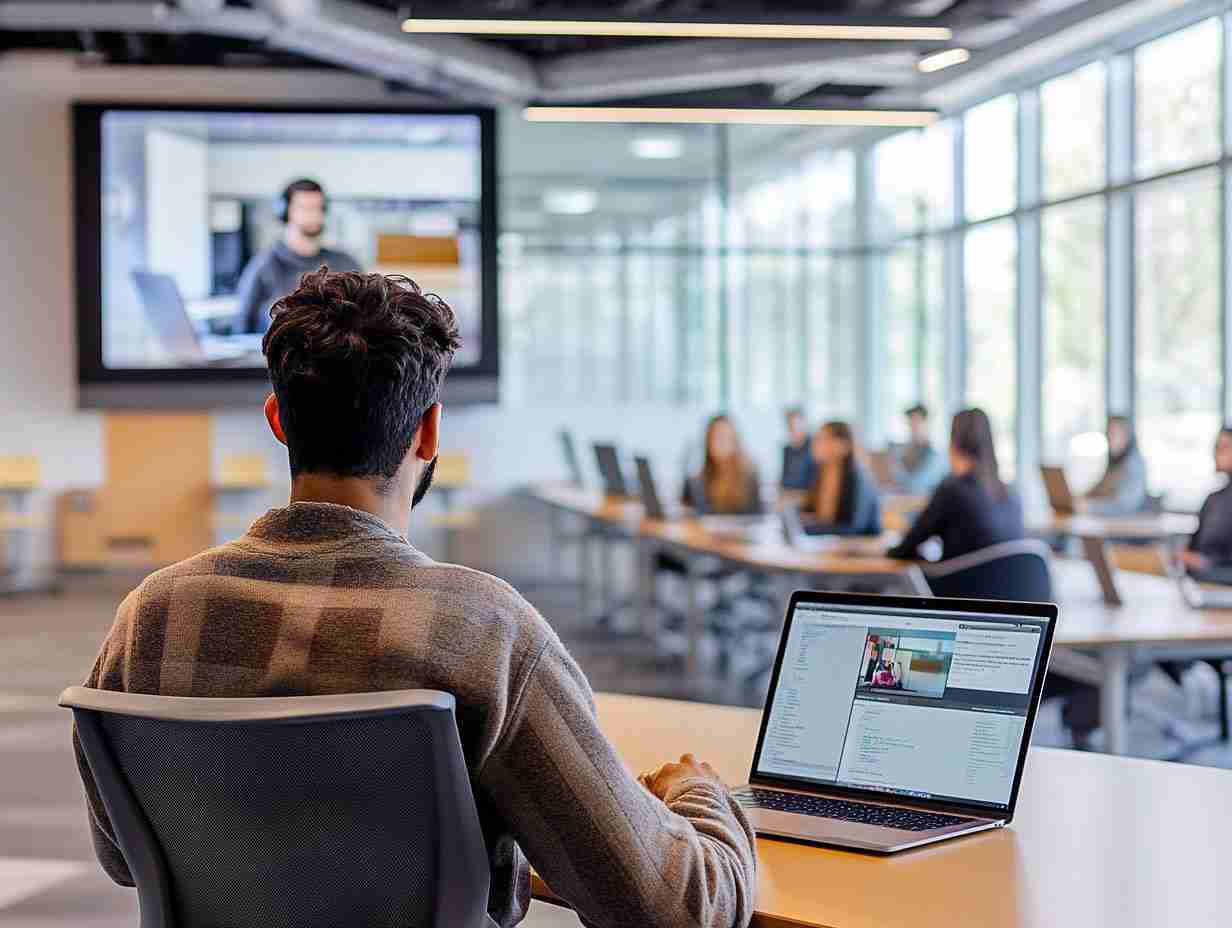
732, 116
682, 30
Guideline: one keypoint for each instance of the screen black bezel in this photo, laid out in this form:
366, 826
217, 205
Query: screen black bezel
1048, 611
87, 195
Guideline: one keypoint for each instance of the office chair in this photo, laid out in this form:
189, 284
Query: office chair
282, 812
1013, 570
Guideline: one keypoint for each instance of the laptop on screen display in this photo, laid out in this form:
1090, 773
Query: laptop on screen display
893, 722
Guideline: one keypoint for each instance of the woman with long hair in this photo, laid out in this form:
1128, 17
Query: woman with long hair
728, 483
843, 497
972, 508
1122, 490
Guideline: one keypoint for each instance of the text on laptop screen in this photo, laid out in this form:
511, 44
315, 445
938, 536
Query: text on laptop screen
919, 703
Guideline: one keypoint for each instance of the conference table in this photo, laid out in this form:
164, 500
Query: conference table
1097, 841
1097, 533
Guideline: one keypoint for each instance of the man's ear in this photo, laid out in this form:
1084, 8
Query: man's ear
429, 433
272, 417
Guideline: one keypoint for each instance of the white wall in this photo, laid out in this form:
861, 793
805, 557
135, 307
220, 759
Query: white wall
38, 415
178, 242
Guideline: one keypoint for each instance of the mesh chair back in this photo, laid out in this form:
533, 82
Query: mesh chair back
282, 813
1017, 571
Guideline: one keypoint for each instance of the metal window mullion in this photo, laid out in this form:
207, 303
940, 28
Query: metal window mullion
955, 282
870, 297
1029, 324
1225, 220
1119, 285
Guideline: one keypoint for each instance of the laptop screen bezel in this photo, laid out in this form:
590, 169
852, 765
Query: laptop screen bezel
1045, 611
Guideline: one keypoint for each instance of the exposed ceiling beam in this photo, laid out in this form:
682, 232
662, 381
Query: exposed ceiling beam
365, 39
346, 34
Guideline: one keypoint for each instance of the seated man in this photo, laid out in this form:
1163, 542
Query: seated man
327, 596
917, 465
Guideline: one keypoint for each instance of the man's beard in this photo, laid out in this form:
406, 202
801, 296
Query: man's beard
312, 231
425, 482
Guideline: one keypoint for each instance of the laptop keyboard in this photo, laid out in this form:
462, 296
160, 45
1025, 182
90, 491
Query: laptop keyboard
845, 810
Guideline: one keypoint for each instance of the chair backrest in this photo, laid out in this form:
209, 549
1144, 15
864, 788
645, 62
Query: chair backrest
1013, 570
284, 812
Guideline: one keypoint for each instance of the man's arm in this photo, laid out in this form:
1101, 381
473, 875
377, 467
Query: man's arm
616, 853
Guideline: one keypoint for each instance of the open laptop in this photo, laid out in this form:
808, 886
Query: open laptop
614, 482
894, 722
1197, 593
652, 502
173, 327
1057, 486
572, 463
795, 535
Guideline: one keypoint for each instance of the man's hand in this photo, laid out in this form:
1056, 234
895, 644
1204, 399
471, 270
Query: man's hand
661, 780
1193, 560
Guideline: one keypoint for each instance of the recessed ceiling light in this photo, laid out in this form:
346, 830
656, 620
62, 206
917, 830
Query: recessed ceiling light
768, 116
942, 60
694, 30
570, 202
657, 147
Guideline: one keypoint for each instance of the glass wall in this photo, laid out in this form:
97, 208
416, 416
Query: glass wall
770, 266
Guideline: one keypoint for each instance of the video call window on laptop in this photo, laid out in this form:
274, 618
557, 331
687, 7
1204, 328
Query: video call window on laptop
926, 703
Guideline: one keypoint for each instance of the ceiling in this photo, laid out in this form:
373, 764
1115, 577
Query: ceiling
364, 36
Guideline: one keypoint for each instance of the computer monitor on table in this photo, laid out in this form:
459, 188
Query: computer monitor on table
608, 460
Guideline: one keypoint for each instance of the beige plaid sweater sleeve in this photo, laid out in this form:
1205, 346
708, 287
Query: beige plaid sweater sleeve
245, 620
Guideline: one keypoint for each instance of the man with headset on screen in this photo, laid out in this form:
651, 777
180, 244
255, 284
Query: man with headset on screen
275, 272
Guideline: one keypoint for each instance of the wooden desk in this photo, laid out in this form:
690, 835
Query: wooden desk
1098, 841
1096, 532
1154, 622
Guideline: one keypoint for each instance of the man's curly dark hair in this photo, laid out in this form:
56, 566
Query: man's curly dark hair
355, 361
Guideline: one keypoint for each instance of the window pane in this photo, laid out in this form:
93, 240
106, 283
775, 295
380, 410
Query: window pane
1074, 335
912, 181
1177, 84
902, 281
1072, 113
991, 256
991, 151
1177, 336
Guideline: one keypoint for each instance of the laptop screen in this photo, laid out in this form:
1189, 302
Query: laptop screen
917, 702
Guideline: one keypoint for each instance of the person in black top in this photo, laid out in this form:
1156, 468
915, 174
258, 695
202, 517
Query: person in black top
799, 468
843, 498
1208, 556
972, 508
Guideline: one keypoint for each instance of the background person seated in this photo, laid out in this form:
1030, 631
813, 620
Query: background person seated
972, 508
799, 469
1208, 557
728, 483
843, 499
1123, 489
918, 466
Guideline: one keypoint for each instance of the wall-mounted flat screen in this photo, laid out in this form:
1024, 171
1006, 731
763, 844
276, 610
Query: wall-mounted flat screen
192, 222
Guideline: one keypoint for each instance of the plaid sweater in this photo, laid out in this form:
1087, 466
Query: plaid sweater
318, 598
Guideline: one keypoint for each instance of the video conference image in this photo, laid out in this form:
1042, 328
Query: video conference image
913, 662
209, 217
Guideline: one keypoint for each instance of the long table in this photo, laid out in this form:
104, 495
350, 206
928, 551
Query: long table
1097, 841
1098, 640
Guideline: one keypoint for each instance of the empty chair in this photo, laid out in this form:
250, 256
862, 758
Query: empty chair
1013, 570
283, 812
